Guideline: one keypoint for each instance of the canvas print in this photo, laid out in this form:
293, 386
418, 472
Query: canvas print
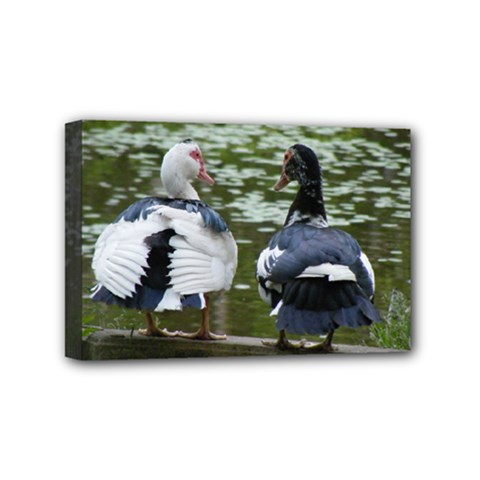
214, 240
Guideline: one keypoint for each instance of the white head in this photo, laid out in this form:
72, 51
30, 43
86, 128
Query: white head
182, 164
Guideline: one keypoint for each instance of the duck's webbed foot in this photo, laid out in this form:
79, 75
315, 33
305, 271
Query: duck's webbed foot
153, 331
302, 346
202, 334
284, 344
156, 332
324, 347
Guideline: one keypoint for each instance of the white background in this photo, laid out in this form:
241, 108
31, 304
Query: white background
370, 63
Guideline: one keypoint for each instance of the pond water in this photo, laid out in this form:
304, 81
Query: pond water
366, 189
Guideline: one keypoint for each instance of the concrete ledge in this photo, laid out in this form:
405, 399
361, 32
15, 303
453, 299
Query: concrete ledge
123, 344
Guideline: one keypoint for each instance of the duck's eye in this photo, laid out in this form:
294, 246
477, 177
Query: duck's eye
194, 155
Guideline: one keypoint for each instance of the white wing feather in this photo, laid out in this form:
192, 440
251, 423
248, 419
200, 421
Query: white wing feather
335, 273
121, 254
368, 266
203, 260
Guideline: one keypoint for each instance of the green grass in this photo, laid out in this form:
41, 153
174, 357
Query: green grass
394, 331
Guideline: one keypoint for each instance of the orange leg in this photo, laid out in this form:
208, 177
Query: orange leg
203, 333
152, 330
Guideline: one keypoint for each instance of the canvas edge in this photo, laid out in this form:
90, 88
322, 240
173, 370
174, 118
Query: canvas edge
73, 239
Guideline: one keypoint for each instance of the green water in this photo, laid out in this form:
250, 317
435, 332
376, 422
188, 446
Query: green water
366, 189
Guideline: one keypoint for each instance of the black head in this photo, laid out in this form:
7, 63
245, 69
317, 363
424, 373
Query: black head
301, 164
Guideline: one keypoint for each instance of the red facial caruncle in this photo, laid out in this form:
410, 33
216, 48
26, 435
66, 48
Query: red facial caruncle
202, 174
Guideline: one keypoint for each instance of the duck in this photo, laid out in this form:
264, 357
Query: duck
167, 253
314, 277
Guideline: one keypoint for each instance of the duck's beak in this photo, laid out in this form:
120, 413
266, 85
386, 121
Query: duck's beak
282, 182
205, 177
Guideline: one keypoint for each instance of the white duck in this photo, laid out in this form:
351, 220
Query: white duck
167, 253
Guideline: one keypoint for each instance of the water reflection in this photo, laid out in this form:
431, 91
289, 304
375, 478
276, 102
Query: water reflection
367, 193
